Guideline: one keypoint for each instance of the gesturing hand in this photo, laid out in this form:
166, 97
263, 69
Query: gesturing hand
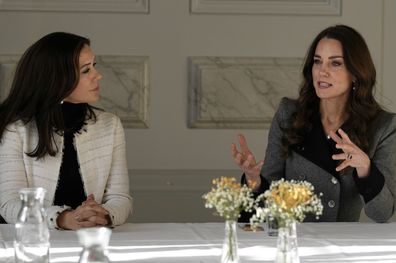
352, 155
246, 161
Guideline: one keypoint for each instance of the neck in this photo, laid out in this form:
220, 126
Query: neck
332, 114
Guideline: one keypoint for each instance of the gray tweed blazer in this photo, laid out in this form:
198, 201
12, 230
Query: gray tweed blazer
341, 199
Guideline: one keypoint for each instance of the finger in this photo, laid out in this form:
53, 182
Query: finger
86, 224
86, 212
98, 220
90, 203
239, 160
249, 163
259, 166
340, 156
347, 148
243, 144
87, 215
234, 150
343, 165
344, 135
95, 209
90, 197
335, 137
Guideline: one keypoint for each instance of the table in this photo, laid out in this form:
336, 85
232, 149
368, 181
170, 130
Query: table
202, 242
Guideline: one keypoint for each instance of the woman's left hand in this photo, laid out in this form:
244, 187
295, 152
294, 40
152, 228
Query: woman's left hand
91, 212
352, 155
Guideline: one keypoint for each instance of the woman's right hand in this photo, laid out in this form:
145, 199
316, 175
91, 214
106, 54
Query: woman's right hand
246, 161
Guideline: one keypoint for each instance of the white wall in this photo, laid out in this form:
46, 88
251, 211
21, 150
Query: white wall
172, 165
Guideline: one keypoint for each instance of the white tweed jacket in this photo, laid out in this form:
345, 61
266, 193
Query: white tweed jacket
101, 155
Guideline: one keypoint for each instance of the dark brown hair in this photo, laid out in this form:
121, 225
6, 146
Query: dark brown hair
361, 106
46, 74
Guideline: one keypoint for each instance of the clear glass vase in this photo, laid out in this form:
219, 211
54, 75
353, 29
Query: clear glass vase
31, 241
94, 241
287, 248
230, 245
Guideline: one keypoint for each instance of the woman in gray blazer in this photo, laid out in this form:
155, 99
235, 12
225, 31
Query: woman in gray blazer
335, 135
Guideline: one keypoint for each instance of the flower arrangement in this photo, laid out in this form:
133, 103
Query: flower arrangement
229, 198
288, 201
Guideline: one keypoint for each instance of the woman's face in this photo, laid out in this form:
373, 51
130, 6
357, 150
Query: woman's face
87, 89
331, 78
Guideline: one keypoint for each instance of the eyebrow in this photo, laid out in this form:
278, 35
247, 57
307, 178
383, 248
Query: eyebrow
84, 65
331, 57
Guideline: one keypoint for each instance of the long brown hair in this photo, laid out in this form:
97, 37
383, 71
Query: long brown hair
46, 74
361, 106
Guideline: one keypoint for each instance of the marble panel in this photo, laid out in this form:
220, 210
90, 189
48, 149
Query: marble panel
267, 7
124, 86
117, 6
239, 92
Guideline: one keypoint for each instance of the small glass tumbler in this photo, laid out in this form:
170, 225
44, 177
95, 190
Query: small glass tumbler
272, 226
94, 241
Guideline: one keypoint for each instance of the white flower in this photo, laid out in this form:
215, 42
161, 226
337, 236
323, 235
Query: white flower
288, 200
229, 198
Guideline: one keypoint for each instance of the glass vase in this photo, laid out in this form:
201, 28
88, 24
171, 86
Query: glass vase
287, 248
230, 245
31, 242
94, 241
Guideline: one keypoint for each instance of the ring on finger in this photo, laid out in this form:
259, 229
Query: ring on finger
349, 156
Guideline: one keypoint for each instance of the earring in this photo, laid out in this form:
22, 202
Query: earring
353, 85
61, 102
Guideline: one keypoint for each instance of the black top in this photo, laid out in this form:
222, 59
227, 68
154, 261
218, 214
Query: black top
70, 189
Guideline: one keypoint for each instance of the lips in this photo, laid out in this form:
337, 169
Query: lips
324, 85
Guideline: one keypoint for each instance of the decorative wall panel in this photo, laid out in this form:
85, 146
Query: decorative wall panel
124, 86
107, 6
276, 7
239, 92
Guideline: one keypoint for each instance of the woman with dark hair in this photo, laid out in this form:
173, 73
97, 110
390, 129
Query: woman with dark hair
335, 135
51, 137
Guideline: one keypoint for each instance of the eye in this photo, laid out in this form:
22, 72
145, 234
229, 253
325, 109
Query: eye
336, 63
317, 61
85, 71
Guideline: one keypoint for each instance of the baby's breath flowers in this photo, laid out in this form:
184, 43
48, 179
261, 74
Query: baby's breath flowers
288, 200
229, 198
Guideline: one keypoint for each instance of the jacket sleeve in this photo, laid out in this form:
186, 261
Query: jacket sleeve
117, 200
382, 206
274, 163
13, 176
12, 173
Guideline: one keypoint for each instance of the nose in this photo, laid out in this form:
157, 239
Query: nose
98, 76
324, 71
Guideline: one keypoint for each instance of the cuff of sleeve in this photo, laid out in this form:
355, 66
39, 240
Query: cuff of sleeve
111, 215
52, 215
370, 186
261, 189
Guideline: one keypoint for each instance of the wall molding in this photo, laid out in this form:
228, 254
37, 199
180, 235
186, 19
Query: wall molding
267, 7
124, 86
112, 6
239, 92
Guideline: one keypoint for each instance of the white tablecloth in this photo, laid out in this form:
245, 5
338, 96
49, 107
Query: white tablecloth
202, 242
